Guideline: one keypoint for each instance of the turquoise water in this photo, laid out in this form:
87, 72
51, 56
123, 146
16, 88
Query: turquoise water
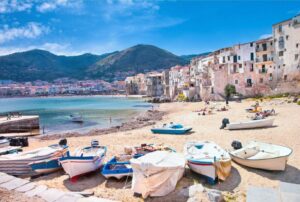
96, 111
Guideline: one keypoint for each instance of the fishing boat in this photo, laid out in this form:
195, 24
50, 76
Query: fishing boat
262, 156
157, 173
76, 118
18, 163
250, 124
208, 159
9, 150
4, 142
83, 160
119, 167
173, 129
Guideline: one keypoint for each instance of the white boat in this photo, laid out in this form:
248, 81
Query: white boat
157, 173
262, 156
208, 159
18, 163
83, 160
4, 142
249, 124
76, 118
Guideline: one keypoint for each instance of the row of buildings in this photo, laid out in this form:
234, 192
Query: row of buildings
262, 67
61, 87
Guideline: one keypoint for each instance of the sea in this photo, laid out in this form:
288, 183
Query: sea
97, 111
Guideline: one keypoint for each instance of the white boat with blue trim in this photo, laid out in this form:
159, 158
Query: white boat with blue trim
208, 159
83, 160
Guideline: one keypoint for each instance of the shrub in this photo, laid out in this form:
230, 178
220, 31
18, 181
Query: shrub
229, 90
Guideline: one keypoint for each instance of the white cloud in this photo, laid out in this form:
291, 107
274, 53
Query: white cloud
31, 30
264, 36
55, 4
9, 6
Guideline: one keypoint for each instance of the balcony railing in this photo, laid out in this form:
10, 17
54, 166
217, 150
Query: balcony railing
268, 59
263, 71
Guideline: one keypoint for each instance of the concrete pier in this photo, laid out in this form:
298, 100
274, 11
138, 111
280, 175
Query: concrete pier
19, 124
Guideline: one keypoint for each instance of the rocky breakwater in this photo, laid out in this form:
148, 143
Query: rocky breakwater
145, 119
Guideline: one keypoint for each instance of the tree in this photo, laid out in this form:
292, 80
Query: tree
229, 90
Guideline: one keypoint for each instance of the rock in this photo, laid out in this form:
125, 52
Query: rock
214, 195
13, 184
192, 190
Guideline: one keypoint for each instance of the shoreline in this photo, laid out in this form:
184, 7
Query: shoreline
146, 118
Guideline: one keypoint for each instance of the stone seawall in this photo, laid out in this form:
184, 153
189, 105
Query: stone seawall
19, 124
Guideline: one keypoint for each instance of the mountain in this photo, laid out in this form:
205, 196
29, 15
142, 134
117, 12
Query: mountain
43, 65
137, 59
190, 57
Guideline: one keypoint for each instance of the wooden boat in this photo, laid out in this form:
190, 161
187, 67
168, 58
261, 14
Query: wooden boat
262, 156
208, 159
83, 160
261, 123
157, 173
119, 167
76, 118
174, 129
4, 142
18, 163
9, 150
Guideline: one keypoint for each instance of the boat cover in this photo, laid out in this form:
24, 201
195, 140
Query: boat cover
157, 173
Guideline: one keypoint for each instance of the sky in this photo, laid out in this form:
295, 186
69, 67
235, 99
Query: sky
72, 27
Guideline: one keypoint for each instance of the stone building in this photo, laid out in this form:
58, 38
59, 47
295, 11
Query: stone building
154, 84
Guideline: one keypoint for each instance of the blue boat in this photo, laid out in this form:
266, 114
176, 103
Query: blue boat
118, 169
173, 129
48, 165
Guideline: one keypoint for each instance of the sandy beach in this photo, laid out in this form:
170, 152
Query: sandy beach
285, 132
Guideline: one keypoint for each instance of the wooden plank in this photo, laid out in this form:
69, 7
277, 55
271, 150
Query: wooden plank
13, 184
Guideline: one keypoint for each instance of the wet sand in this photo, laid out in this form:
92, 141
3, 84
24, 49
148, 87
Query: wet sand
285, 132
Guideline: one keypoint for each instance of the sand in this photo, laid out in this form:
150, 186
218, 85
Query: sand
285, 132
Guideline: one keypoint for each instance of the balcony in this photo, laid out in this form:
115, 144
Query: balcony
268, 59
262, 71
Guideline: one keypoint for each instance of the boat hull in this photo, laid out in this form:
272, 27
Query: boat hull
47, 166
205, 169
75, 166
275, 164
251, 124
171, 131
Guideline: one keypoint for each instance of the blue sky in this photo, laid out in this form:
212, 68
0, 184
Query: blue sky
73, 27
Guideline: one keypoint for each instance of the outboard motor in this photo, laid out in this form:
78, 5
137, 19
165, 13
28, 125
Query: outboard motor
225, 121
95, 143
63, 142
236, 145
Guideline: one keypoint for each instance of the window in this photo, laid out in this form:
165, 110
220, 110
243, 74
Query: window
235, 58
281, 42
240, 65
264, 46
251, 56
249, 83
228, 58
263, 69
285, 77
212, 90
280, 53
287, 37
271, 77
236, 81
296, 56
265, 57
223, 59
280, 28
297, 45
261, 80
271, 43
252, 68
239, 57
251, 44
278, 66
